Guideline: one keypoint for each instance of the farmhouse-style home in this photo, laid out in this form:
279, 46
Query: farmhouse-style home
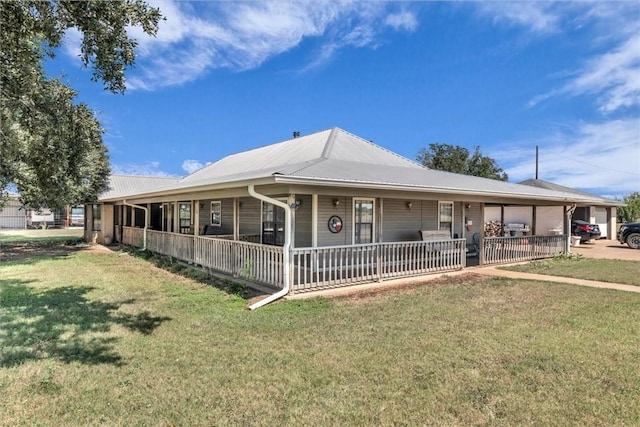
331, 209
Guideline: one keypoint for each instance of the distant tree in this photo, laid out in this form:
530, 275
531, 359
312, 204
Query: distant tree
453, 158
630, 212
51, 148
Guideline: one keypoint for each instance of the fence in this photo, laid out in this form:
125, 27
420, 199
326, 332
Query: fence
513, 249
326, 267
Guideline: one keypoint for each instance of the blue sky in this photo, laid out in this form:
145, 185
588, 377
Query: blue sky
224, 76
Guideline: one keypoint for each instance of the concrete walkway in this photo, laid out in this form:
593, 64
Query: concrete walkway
493, 271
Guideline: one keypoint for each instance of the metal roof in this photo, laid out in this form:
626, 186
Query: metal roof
125, 185
335, 157
596, 200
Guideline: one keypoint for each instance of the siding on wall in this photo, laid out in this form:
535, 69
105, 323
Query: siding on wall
303, 225
474, 213
250, 215
326, 209
227, 215
204, 217
429, 212
399, 223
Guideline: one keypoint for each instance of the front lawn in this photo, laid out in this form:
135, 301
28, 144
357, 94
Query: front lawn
93, 337
603, 270
49, 235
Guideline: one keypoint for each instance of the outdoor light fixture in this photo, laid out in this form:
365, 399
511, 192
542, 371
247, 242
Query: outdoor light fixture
336, 202
409, 204
296, 204
468, 206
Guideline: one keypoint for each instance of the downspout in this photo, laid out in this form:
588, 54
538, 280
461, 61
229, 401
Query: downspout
287, 245
146, 222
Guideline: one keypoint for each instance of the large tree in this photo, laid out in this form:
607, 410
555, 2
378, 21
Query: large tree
630, 212
51, 148
454, 158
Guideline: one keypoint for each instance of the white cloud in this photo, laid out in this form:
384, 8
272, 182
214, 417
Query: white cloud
403, 20
602, 157
611, 70
147, 169
614, 76
190, 166
540, 17
198, 37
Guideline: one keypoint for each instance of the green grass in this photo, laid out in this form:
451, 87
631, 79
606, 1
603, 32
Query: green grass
603, 270
50, 235
105, 338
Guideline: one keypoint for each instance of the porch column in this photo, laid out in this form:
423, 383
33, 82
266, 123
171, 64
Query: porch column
176, 218
613, 229
291, 201
314, 220
236, 218
481, 232
196, 217
380, 203
568, 211
147, 218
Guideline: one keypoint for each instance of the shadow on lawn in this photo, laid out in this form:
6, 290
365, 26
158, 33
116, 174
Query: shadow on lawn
62, 324
27, 253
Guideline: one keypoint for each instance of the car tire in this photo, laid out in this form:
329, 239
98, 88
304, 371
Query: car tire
633, 240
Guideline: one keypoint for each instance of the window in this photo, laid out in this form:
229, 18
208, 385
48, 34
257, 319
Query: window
445, 216
216, 213
363, 221
96, 214
184, 212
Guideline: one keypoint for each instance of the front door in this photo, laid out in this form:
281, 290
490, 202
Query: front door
272, 224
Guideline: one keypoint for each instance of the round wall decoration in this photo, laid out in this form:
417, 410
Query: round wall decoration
335, 224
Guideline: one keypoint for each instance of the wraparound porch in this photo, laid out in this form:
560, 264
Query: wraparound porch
335, 266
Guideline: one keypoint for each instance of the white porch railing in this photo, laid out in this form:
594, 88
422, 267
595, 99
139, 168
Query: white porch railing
132, 236
252, 238
326, 267
175, 245
253, 261
513, 249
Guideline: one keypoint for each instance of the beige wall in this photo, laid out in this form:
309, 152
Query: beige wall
106, 227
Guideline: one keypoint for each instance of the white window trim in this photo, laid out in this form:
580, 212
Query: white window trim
453, 215
219, 203
353, 218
